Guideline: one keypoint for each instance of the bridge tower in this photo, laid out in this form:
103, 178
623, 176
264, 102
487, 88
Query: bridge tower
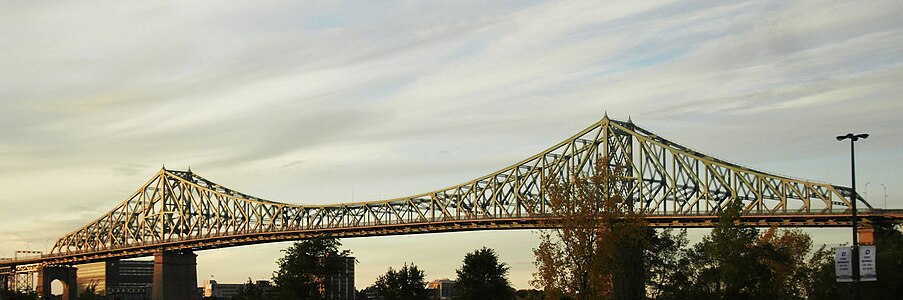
618, 150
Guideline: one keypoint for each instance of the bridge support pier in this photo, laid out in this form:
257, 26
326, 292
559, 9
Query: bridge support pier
175, 275
66, 274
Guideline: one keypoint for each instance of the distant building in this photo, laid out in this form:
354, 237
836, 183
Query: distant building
441, 289
268, 288
221, 290
212, 288
368, 294
118, 279
341, 285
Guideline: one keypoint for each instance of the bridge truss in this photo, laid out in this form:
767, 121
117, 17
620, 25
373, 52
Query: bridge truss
672, 185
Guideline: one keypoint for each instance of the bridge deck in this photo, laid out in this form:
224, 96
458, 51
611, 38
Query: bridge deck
867, 218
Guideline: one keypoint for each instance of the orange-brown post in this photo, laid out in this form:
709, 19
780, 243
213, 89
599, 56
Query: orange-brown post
866, 236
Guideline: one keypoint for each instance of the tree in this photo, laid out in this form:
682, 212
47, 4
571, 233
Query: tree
531, 294
888, 264
483, 277
306, 266
89, 292
736, 262
599, 248
734, 258
784, 252
6, 294
249, 291
404, 284
664, 262
724, 265
821, 282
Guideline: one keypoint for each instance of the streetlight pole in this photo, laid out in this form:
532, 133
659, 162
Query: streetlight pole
885, 195
867, 189
853, 198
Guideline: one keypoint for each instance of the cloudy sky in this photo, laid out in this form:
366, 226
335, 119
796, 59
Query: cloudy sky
326, 102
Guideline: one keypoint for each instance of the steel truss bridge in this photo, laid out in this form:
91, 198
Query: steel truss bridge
672, 185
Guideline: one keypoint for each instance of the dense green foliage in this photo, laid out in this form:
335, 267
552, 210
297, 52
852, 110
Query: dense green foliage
663, 263
821, 283
531, 294
250, 291
889, 264
406, 283
306, 265
483, 277
736, 262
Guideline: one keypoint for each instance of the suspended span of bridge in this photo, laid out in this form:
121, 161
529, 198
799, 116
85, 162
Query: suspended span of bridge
671, 185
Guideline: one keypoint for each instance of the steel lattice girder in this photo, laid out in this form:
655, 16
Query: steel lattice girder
666, 181
19, 277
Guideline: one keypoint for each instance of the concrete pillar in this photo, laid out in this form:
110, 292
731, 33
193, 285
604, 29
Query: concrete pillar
175, 276
66, 274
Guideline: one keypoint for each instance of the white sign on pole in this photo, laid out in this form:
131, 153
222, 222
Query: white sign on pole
843, 265
867, 271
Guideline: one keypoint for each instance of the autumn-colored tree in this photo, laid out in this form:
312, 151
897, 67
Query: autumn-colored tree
598, 248
785, 252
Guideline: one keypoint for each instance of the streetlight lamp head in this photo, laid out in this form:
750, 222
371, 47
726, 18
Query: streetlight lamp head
854, 137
